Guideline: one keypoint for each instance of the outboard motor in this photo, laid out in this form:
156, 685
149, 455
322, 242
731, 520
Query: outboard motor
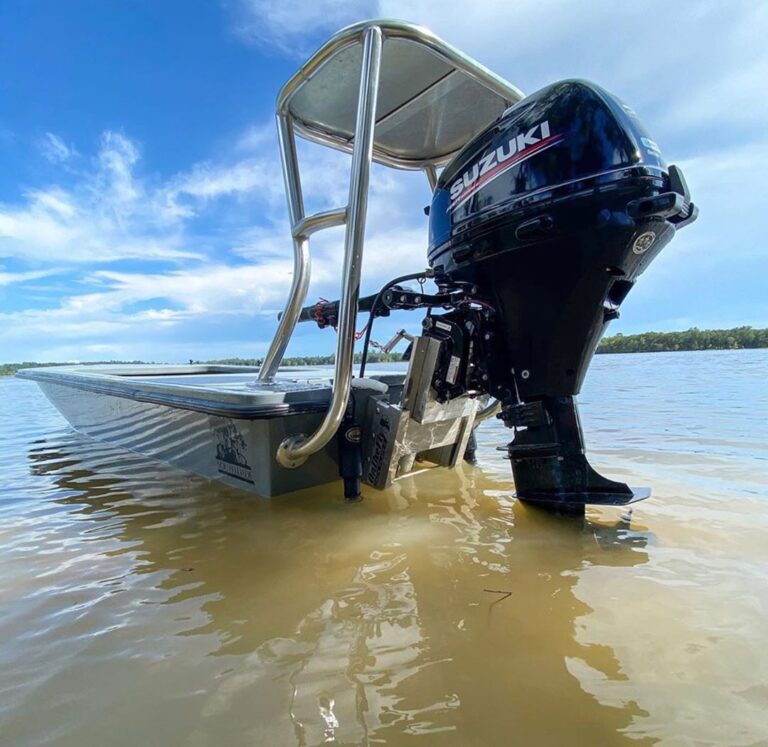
539, 228
542, 224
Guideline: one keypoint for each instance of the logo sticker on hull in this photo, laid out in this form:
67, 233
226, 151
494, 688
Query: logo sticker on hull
231, 453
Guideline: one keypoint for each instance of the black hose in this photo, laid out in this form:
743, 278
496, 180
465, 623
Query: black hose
401, 279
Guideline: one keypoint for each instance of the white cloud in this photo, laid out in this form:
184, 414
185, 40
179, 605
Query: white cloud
106, 214
257, 137
55, 149
210, 289
10, 278
181, 298
289, 25
208, 181
117, 156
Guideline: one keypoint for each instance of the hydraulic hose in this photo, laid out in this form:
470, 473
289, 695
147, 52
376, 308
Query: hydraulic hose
423, 275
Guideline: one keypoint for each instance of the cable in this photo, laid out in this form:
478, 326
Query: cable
402, 279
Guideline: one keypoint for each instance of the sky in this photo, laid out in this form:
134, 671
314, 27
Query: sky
142, 214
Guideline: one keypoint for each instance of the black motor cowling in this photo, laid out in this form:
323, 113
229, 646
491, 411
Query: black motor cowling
550, 215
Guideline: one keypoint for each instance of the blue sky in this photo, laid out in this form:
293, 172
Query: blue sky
141, 205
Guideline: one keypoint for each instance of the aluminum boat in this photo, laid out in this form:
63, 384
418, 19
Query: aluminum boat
545, 210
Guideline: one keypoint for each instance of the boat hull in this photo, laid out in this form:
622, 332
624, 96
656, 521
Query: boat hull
238, 451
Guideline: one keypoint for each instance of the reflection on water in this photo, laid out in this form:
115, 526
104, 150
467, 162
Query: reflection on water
139, 605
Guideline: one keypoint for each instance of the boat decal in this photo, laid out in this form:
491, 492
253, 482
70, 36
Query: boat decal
231, 453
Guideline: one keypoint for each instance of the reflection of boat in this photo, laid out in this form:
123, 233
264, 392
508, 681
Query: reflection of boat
545, 212
296, 618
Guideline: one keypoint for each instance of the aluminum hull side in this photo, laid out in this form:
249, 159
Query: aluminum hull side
237, 451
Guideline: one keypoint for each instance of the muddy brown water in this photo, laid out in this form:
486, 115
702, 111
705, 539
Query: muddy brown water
143, 606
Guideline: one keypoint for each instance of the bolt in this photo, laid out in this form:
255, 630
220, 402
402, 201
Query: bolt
525, 373
417, 299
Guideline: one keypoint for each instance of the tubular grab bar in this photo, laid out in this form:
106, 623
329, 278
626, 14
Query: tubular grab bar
295, 450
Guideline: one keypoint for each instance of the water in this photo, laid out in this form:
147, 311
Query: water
141, 606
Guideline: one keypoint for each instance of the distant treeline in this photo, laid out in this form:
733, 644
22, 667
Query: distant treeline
692, 339
648, 342
308, 360
8, 369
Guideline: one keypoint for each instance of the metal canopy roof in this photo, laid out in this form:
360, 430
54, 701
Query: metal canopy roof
432, 99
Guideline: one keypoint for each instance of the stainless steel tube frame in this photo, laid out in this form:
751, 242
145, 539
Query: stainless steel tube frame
302, 230
491, 409
301, 257
288, 128
295, 450
318, 222
431, 173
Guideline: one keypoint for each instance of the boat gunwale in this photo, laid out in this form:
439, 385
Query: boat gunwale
116, 385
